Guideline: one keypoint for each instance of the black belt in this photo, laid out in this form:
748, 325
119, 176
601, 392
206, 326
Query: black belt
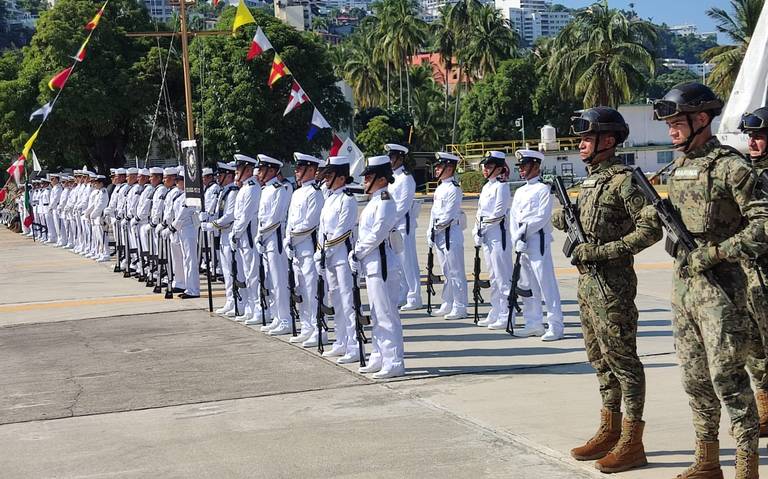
448, 238
279, 234
250, 236
383, 254
408, 223
503, 227
541, 244
313, 235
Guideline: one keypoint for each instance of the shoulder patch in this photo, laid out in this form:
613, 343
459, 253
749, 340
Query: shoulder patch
456, 184
385, 195
741, 173
589, 183
348, 193
277, 185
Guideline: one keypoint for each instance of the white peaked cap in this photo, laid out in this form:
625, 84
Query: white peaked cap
222, 167
207, 171
269, 160
100, 177
378, 160
302, 157
443, 156
91, 175
499, 155
112, 171
53, 175
121, 171
133, 171
338, 160
395, 147
144, 172
179, 172
170, 171
245, 159
520, 154
155, 170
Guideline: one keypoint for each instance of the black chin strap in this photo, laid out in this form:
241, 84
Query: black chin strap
687, 143
588, 160
370, 185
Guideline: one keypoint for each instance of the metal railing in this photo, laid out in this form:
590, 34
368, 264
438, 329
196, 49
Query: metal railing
472, 153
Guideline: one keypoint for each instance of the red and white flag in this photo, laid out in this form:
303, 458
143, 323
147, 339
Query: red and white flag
298, 98
259, 45
16, 169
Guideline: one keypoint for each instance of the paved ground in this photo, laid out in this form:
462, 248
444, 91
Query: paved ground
97, 383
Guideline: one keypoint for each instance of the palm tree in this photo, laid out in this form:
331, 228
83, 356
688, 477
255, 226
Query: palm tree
460, 20
491, 40
362, 71
445, 38
602, 56
739, 29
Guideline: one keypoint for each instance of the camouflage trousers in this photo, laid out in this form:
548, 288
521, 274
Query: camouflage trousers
610, 336
712, 334
757, 304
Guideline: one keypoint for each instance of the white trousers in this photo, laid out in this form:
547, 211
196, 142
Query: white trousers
190, 262
387, 330
538, 274
410, 285
499, 263
305, 274
340, 285
249, 271
52, 220
452, 264
177, 257
276, 265
226, 268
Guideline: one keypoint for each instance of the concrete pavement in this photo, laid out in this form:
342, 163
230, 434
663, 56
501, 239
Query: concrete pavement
97, 383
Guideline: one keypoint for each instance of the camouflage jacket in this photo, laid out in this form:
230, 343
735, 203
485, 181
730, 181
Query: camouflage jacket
711, 188
609, 207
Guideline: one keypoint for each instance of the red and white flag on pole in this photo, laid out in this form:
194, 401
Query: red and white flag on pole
298, 98
16, 169
259, 45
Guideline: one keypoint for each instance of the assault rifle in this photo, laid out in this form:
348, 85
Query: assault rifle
322, 309
295, 298
575, 233
432, 278
236, 283
678, 235
263, 291
361, 320
514, 292
479, 284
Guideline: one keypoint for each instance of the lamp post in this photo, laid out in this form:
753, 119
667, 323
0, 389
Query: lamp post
520, 123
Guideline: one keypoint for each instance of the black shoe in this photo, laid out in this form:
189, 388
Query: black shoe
177, 290
142, 279
188, 296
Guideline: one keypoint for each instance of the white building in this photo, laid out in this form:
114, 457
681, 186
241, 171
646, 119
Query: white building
691, 29
430, 9
698, 69
533, 19
297, 13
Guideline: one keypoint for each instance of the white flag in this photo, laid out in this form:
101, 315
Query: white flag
36, 164
356, 157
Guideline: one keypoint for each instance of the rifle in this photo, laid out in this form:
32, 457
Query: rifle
575, 234
322, 309
168, 270
151, 256
236, 284
295, 298
677, 234
127, 253
263, 292
432, 278
118, 246
761, 188
141, 255
361, 320
479, 284
514, 292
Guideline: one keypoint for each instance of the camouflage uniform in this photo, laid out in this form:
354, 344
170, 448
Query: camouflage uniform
711, 189
757, 304
609, 209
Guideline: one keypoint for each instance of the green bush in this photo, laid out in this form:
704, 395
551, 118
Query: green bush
471, 181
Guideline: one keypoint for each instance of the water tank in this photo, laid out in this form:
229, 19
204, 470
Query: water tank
548, 134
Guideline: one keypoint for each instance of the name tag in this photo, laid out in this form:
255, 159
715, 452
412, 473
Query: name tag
687, 173
589, 183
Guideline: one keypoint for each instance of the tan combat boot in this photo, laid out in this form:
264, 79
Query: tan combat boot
605, 438
762, 410
628, 452
746, 464
707, 465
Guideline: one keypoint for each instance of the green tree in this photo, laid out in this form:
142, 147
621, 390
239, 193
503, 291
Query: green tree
377, 134
602, 57
496, 101
103, 111
491, 40
691, 47
241, 113
739, 28
445, 38
659, 86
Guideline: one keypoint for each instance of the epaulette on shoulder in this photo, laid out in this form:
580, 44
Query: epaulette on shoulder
385, 195
456, 183
349, 193
277, 185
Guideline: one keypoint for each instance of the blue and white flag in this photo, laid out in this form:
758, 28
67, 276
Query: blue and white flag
318, 122
41, 113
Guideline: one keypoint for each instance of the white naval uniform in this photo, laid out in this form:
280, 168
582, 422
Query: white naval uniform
273, 210
45, 194
445, 226
90, 249
169, 216
122, 221
338, 219
54, 226
224, 216
83, 220
531, 216
377, 221
163, 241
302, 237
131, 204
243, 231
492, 232
69, 210
210, 198
141, 221
100, 199
403, 191
186, 224
61, 211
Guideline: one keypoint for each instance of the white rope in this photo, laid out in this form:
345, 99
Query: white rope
163, 88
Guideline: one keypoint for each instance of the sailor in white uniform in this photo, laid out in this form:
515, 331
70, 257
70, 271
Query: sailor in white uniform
373, 256
445, 233
273, 211
243, 231
185, 225
491, 233
403, 192
301, 242
531, 221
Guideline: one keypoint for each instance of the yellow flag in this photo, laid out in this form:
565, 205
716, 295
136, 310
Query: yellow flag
28, 144
242, 17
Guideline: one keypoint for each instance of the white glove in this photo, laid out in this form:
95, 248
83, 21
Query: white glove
478, 239
165, 233
289, 253
134, 221
124, 223
259, 247
203, 215
206, 226
521, 246
354, 264
158, 229
519, 235
233, 240
430, 244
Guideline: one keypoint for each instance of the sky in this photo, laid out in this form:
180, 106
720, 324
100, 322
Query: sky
674, 12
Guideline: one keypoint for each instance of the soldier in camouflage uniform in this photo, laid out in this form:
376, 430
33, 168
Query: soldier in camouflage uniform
711, 188
609, 208
755, 124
